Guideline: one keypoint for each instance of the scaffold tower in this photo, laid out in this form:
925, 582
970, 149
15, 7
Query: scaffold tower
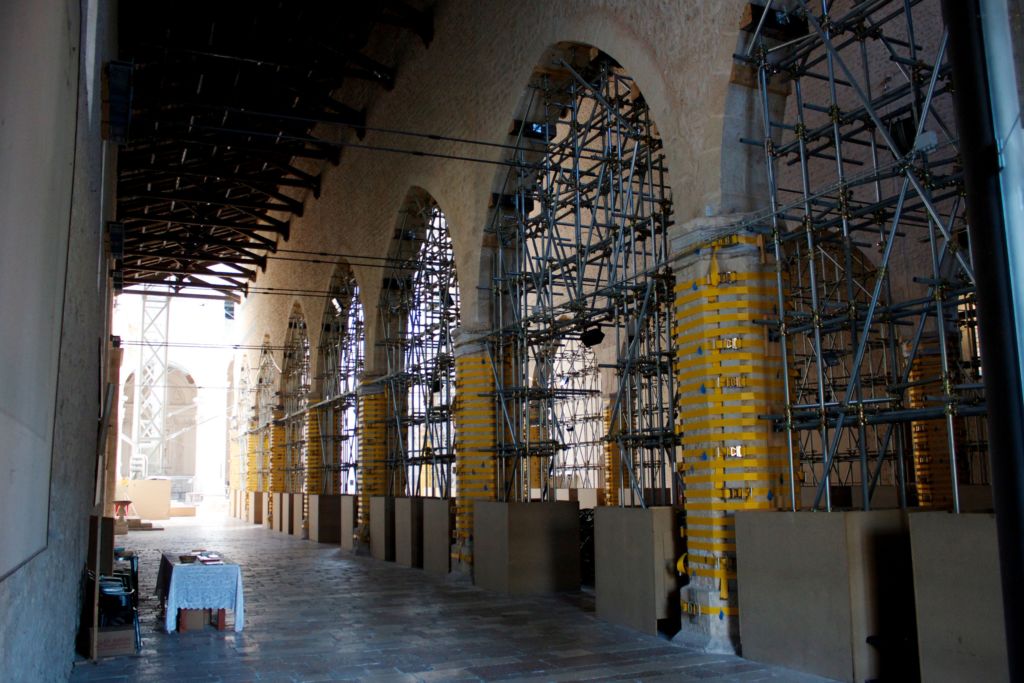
419, 315
581, 275
296, 385
150, 404
874, 271
267, 412
341, 352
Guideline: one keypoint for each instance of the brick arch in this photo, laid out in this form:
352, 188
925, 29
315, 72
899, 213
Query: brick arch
409, 217
467, 85
344, 283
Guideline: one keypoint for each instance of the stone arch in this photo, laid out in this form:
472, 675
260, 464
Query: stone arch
296, 356
296, 384
580, 251
179, 427
340, 365
267, 375
340, 355
418, 316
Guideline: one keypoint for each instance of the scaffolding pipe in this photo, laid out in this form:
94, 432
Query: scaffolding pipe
988, 112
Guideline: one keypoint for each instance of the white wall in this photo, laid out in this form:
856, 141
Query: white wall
54, 190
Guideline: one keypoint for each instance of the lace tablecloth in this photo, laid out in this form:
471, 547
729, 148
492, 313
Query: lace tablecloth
199, 586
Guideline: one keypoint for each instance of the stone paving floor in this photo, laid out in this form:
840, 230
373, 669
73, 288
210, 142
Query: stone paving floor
315, 613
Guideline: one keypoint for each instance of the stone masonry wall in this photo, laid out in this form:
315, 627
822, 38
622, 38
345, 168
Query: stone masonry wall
39, 602
468, 83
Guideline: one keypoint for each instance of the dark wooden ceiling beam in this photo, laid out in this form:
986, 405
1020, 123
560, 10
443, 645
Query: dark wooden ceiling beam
256, 180
200, 222
309, 148
130, 280
198, 254
225, 107
292, 206
133, 265
192, 240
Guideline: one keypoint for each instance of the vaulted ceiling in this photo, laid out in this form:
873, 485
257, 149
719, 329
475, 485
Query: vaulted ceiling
234, 109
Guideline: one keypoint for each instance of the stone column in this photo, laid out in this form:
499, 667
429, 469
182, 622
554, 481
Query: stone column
475, 430
278, 454
314, 451
613, 478
727, 374
372, 475
612, 456
251, 456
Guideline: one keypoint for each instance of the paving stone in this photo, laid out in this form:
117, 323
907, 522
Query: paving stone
315, 613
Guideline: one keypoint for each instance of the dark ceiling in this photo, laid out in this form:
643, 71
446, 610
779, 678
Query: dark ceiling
221, 144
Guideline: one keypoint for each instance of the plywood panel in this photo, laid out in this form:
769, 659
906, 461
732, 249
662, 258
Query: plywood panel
382, 528
348, 522
634, 557
958, 597
437, 535
295, 519
151, 498
325, 518
39, 76
526, 547
409, 532
814, 587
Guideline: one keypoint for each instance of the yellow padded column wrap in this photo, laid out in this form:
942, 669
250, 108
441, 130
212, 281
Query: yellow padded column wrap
278, 473
475, 471
538, 435
372, 476
251, 458
932, 476
396, 477
726, 375
612, 458
314, 454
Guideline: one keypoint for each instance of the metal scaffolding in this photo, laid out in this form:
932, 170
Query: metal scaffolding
242, 422
578, 417
342, 342
874, 271
419, 315
151, 379
266, 410
295, 390
580, 274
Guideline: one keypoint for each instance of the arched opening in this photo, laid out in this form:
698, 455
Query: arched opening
581, 275
419, 315
341, 361
296, 384
175, 459
864, 197
241, 425
266, 411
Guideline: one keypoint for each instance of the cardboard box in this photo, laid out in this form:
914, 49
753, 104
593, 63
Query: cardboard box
192, 619
115, 641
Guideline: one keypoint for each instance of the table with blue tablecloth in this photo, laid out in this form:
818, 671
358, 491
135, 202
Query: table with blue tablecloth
199, 586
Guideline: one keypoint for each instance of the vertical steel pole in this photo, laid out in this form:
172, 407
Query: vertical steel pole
992, 173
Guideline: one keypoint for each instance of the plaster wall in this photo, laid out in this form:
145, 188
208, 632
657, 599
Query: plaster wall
55, 176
